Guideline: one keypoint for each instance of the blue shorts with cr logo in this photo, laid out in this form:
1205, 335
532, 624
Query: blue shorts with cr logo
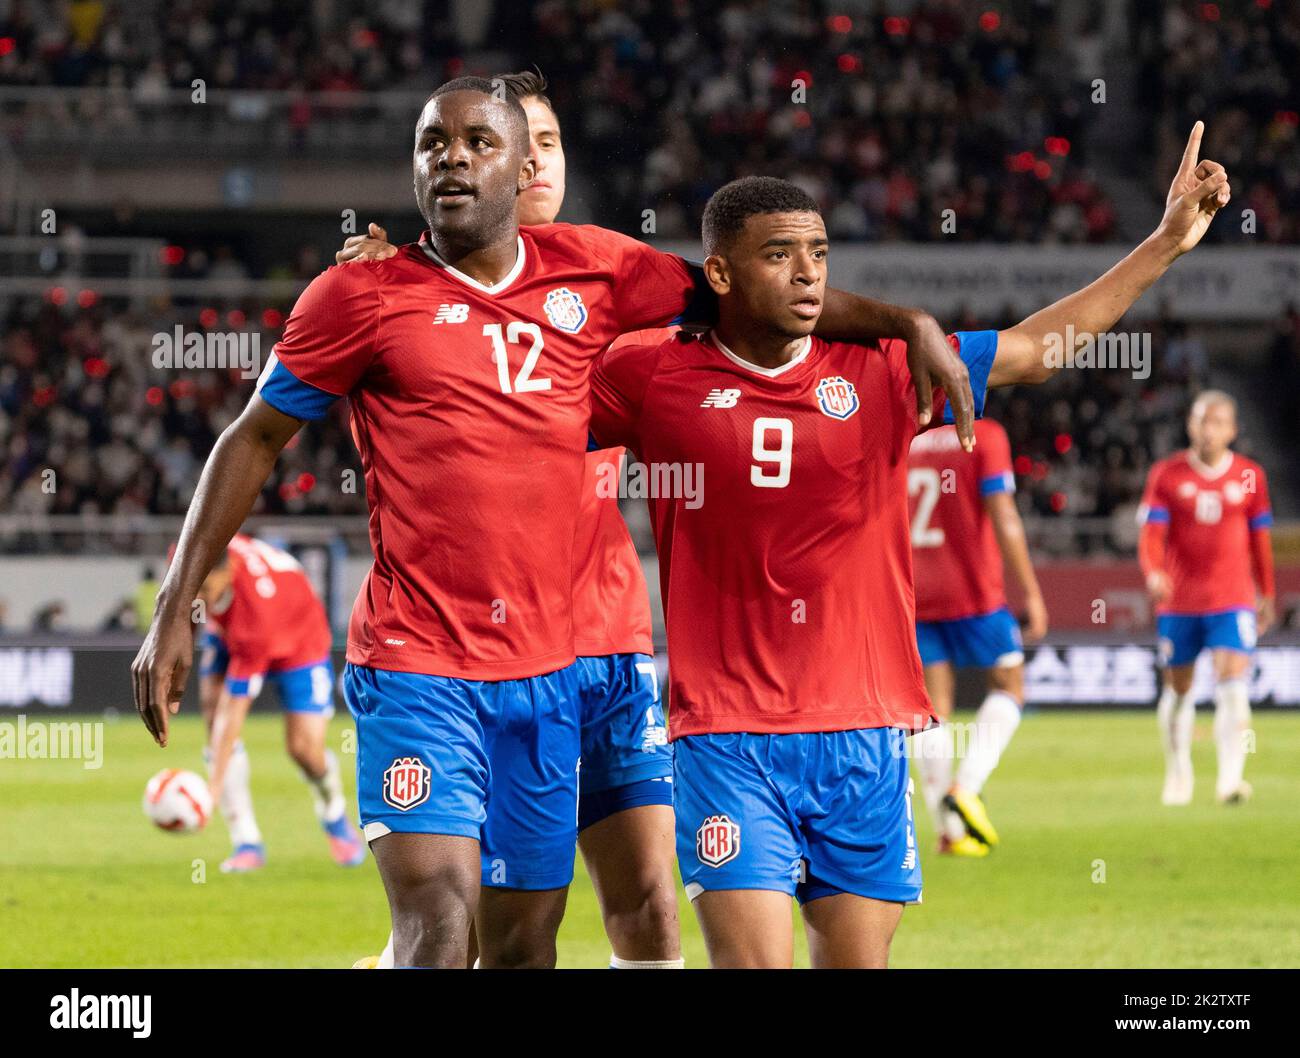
492, 760
985, 641
811, 815
304, 689
1184, 635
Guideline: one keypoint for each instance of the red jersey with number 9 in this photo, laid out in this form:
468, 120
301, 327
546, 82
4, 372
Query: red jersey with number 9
784, 557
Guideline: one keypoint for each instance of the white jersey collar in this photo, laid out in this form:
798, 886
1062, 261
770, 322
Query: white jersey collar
767, 372
1205, 470
470, 281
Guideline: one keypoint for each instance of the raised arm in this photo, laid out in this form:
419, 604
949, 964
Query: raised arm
1199, 190
234, 474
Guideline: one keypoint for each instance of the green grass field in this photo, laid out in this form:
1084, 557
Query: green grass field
85, 881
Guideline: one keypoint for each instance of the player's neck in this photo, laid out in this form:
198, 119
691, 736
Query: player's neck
758, 346
1213, 463
484, 264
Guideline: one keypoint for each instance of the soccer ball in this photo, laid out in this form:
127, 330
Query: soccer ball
178, 801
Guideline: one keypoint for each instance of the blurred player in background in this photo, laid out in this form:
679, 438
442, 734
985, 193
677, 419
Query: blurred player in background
964, 526
1206, 550
625, 794
265, 623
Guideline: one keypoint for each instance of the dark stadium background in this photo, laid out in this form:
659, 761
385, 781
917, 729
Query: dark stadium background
128, 207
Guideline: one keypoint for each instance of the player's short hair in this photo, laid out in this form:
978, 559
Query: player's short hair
501, 93
1212, 396
527, 84
734, 203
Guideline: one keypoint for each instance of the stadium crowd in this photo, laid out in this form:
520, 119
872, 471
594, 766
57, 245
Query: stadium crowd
948, 105
906, 110
1238, 66
81, 396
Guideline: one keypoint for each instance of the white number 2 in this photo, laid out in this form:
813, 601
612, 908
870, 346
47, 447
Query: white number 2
524, 382
924, 480
779, 455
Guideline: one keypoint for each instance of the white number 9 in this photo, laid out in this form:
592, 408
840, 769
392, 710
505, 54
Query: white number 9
779, 455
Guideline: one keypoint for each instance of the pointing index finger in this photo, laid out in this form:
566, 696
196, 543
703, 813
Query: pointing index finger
1192, 152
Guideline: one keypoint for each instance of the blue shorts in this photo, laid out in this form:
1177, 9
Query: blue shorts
1184, 635
987, 641
303, 689
810, 815
626, 759
492, 760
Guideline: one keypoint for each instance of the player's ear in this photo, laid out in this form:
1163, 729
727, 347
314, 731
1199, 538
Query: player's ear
527, 173
718, 273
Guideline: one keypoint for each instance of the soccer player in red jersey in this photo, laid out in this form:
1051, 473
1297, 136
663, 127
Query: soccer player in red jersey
794, 670
1206, 550
964, 526
461, 649
265, 624
625, 813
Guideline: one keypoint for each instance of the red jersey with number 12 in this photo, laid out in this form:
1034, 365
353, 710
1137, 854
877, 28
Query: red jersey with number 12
470, 406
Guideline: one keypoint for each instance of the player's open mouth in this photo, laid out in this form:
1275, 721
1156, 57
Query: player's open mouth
452, 192
806, 307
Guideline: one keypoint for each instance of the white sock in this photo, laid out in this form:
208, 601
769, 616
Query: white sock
932, 749
1176, 715
1231, 722
995, 723
386, 956
327, 791
615, 963
237, 798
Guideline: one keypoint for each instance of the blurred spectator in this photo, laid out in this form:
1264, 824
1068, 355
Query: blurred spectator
122, 618
50, 618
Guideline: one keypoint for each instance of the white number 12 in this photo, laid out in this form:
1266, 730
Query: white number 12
524, 382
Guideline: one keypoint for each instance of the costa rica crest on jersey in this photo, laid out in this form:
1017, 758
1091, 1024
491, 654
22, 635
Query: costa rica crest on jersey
837, 397
565, 310
406, 783
717, 841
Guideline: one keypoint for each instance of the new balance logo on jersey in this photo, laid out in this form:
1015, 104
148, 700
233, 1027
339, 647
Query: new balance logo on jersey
451, 314
717, 841
721, 398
